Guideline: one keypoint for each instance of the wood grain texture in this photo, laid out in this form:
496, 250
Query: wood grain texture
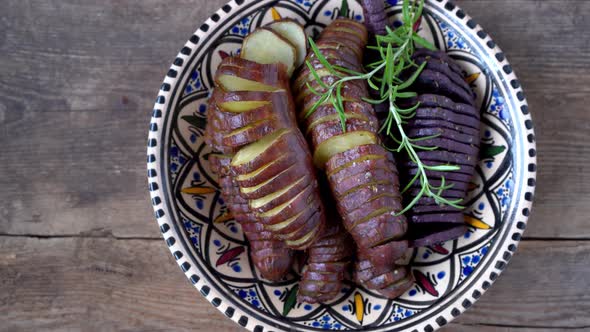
77, 84
104, 284
98, 284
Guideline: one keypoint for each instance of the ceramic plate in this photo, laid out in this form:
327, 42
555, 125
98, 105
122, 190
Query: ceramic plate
214, 256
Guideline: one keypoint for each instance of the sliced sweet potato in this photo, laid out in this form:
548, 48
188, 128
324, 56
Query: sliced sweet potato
358, 109
435, 54
251, 133
437, 236
450, 157
441, 123
335, 117
342, 37
432, 100
280, 196
265, 46
327, 130
443, 217
441, 66
365, 166
359, 29
362, 179
358, 153
453, 176
289, 208
444, 133
267, 171
295, 34
341, 47
445, 115
350, 92
385, 203
336, 57
257, 155
329, 258
300, 236
449, 145
341, 143
307, 240
237, 74
385, 254
379, 230
437, 83
272, 184
292, 224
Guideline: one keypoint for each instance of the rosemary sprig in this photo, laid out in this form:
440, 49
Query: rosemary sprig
395, 49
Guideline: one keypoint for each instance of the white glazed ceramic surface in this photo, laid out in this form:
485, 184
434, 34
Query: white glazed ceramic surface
214, 256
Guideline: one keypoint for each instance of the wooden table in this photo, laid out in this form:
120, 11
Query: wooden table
79, 247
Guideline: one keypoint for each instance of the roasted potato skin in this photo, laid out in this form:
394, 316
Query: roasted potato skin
329, 259
274, 75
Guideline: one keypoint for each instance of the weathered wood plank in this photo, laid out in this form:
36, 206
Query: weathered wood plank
78, 82
130, 284
98, 284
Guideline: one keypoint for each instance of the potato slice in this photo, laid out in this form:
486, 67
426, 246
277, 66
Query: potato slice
242, 106
303, 241
294, 33
233, 83
237, 74
333, 117
265, 46
261, 202
341, 143
252, 151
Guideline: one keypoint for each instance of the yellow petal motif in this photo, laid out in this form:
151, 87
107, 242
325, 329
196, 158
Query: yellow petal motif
359, 307
224, 217
197, 190
275, 14
471, 78
476, 222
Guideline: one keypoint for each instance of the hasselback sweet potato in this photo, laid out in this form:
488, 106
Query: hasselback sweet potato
361, 174
446, 110
268, 177
276, 260
271, 164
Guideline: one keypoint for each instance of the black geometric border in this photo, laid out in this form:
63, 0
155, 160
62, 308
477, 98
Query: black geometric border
162, 101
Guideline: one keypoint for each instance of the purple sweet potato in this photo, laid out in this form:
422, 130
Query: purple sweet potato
442, 123
450, 145
440, 56
443, 133
432, 100
432, 235
435, 82
445, 115
440, 66
443, 217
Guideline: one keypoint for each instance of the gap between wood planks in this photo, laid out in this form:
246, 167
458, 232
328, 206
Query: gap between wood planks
102, 234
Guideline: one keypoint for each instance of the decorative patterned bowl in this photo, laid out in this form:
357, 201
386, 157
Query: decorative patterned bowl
214, 255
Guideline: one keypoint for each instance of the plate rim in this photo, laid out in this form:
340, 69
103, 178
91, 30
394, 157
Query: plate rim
456, 306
